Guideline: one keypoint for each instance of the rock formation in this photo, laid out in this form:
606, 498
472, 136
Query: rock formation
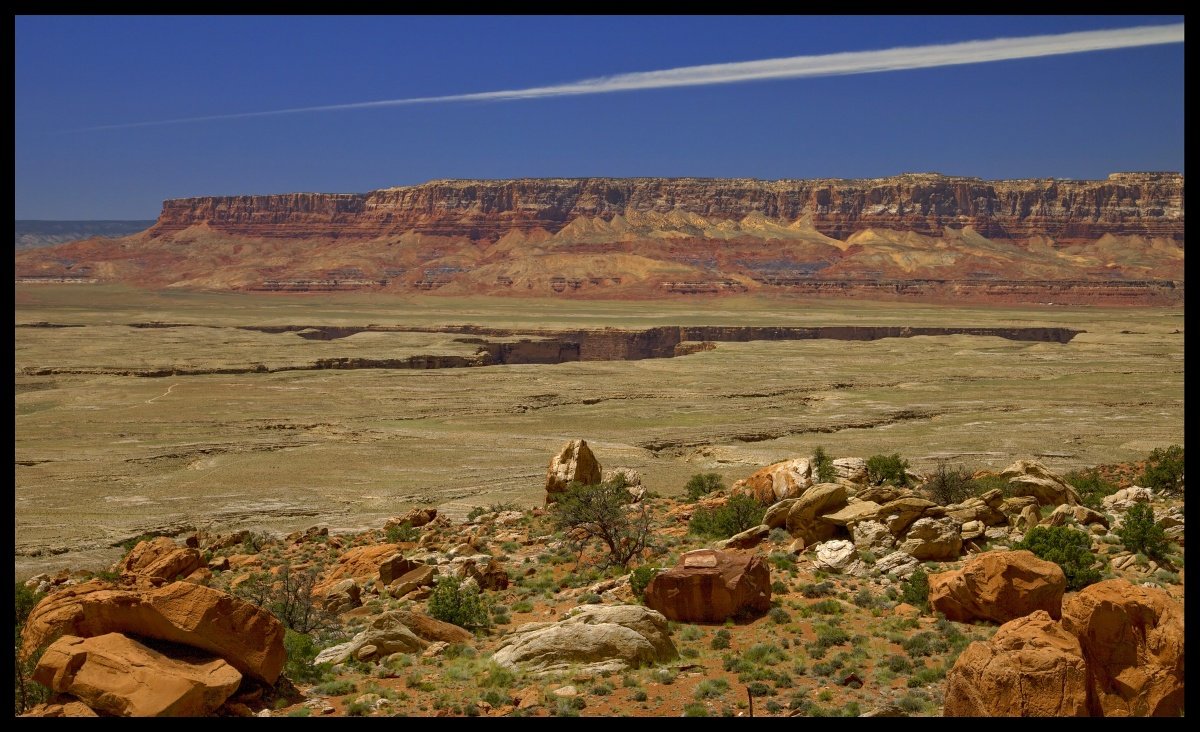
711, 586
998, 586
573, 463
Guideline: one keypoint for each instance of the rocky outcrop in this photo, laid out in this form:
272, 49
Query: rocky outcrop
933, 539
115, 675
835, 556
415, 518
998, 586
804, 517
1132, 638
774, 483
1031, 478
1031, 667
711, 586
357, 563
599, 639
573, 463
747, 539
247, 637
159, 560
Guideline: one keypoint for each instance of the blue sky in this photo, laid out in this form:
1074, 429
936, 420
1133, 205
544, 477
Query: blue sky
1081, 115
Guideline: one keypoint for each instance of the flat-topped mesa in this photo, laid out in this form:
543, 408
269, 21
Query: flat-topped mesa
1143, 204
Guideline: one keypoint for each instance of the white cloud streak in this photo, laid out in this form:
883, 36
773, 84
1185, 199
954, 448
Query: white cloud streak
794, 67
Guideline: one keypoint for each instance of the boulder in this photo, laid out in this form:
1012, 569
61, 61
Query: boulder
1031, 478
423, 626
119, 676
874, 537
394, 567
710, 586
1028, 518
633, 479
852, 513
1085, 516
573, 463
1132, 638
489, 574
803, 520
899, 514
776, 515
61, 707
159, 560
976, 509
1031, 667
345, 595
899, 563
398, 639
971, 530
835, 556
881, 494
597, 639
414, 518
774, 483
360, 562
998, 586
936, 539
851, 470
247, 637
747, 539
423, 576
1167, 518
1124, 499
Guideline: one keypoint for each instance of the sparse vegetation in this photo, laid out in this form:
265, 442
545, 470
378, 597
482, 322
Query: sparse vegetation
288, 595
739, 513
603, 512
949, 485
1069, 549
915, 590
1164, 470
1091, 486
701, 484
639, 579
823, 466
456, 603
1140, 534
402, 533
887, 469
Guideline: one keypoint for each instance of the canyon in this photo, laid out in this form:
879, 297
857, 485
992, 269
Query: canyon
913, 237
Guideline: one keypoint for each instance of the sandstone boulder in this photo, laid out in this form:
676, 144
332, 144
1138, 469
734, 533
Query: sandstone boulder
835, 556
804, 518
882, 494
342, 597
1031, 478
1132, 638
1124, 499
899, 514
394, 567
1085, 516
489, 574
423, 626
747, 539
595, 640
248, 638
159, 560
710, 586
874, 537
415, 518
852, 513
574, 462
851, 470
933, 539
1031, 667
1027, 519
119, 676
998, 586
776, 515
393, 638
898, 563
774, 483
65, 706
360, 562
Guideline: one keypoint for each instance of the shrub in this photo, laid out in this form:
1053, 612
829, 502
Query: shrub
887, 469
739, 513
827, 607
821, 589
1066, 547
337, 687
764, 653
27, 693
720, 640
949, 485
402, 533
702, 484
639, 579
778, 615
711, 688
1091, 487
288, 595
1140, 534
915, 591
1164, 470
695, 709
603, 512
823, 466
301, 651
453, 603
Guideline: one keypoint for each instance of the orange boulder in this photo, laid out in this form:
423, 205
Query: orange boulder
998, 586
709, 586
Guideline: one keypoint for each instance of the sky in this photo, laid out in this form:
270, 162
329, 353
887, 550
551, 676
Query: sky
99, 101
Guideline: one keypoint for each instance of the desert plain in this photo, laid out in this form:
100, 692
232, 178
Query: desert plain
271, 443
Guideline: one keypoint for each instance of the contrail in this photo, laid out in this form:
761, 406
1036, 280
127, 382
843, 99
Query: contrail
793, 67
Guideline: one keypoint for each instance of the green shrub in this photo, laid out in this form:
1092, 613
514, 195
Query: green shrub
1091, 487
337, 687
695, 709
887, 469
1164, 470
301, 651
603, 512
915, 590
453, 603
701, 484
778, 615
288, 595
739, 513
827, 607
711, 688
402, 533
820, 589
823, 466
949, 485
720, 640
639, 579
1069, 549
1140, 534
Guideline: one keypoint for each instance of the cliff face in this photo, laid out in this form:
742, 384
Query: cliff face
907, 238
1146, 204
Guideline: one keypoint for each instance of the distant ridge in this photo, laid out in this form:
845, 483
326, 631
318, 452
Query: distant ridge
33, 233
